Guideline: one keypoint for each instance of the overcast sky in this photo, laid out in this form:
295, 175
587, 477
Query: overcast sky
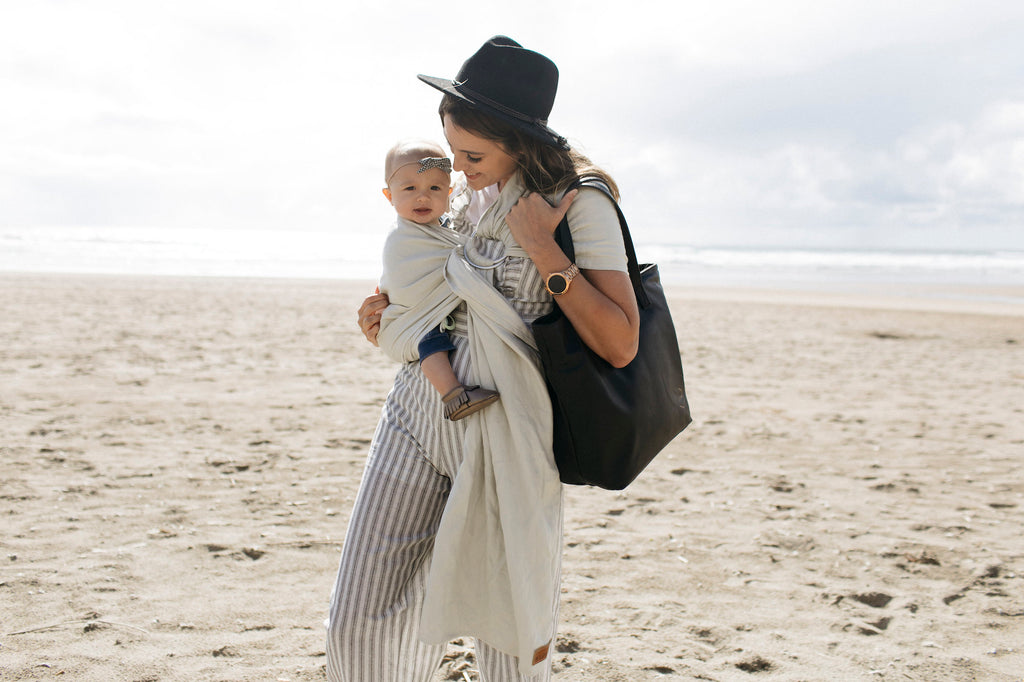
852, 124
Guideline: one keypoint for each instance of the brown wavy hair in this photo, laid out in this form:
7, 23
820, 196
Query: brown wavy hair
544, 168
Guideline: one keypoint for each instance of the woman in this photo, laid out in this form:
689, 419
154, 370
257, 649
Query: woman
456, 529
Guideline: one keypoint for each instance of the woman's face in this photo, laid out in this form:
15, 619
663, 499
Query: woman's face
483, 161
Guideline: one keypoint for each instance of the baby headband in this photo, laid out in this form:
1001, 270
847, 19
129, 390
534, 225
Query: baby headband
444, 163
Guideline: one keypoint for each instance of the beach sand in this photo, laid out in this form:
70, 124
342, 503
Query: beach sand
178, 459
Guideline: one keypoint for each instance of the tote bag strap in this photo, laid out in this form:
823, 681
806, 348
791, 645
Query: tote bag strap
563, 237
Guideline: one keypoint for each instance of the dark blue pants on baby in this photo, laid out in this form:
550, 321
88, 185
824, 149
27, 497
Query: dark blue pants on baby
435, 341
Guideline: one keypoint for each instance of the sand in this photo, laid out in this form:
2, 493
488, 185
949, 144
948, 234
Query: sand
178, 458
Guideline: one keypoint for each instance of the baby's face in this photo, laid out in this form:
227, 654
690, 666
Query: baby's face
419, 197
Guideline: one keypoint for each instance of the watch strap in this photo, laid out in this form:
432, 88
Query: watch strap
569, 274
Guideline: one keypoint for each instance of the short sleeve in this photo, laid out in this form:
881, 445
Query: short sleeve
596, 235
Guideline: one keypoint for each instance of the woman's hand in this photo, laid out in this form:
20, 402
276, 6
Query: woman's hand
600, 304
532, 221
369, 315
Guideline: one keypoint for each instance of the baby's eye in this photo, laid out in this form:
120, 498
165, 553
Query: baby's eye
435, 188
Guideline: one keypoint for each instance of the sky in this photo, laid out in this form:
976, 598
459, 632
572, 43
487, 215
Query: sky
860, 124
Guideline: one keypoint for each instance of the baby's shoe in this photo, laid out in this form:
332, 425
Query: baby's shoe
465, 400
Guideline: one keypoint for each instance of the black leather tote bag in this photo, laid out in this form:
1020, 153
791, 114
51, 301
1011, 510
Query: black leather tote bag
610, 423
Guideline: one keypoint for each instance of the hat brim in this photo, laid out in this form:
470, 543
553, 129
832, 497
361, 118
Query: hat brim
535, 129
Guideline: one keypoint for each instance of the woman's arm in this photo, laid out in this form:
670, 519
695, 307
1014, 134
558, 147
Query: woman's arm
369, 315
600, 304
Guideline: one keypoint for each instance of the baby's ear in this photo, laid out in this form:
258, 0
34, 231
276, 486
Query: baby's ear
387, 193
451, 188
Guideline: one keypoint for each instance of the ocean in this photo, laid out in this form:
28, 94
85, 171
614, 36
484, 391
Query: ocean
356, 256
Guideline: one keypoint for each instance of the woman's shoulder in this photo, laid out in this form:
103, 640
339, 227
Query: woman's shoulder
594, 183
596, 234
593, 204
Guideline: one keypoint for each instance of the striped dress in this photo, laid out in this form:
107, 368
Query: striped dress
376, 603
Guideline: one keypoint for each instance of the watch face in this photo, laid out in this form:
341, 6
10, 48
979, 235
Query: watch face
557, 284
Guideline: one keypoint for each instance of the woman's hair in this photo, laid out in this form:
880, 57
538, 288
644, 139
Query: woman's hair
545, 169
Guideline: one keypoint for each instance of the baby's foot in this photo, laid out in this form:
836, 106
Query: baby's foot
465, 400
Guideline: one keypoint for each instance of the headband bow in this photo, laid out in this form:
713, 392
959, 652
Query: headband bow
444, 163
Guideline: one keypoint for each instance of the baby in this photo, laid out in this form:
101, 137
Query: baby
418, 178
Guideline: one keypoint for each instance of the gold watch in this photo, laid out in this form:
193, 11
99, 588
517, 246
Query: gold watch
558, 283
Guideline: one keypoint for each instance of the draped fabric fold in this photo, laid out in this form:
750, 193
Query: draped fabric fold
496, 561
413, 278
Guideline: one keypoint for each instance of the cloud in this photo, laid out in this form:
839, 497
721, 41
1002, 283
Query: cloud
886, 143
804, 123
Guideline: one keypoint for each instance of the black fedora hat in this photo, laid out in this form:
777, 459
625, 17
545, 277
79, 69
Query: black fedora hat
510, 82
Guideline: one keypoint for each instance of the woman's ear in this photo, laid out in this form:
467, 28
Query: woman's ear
387, 193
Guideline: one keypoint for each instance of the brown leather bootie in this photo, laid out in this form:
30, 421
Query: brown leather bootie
465, 400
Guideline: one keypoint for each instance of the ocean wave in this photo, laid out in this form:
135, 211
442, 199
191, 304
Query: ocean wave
356, 255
